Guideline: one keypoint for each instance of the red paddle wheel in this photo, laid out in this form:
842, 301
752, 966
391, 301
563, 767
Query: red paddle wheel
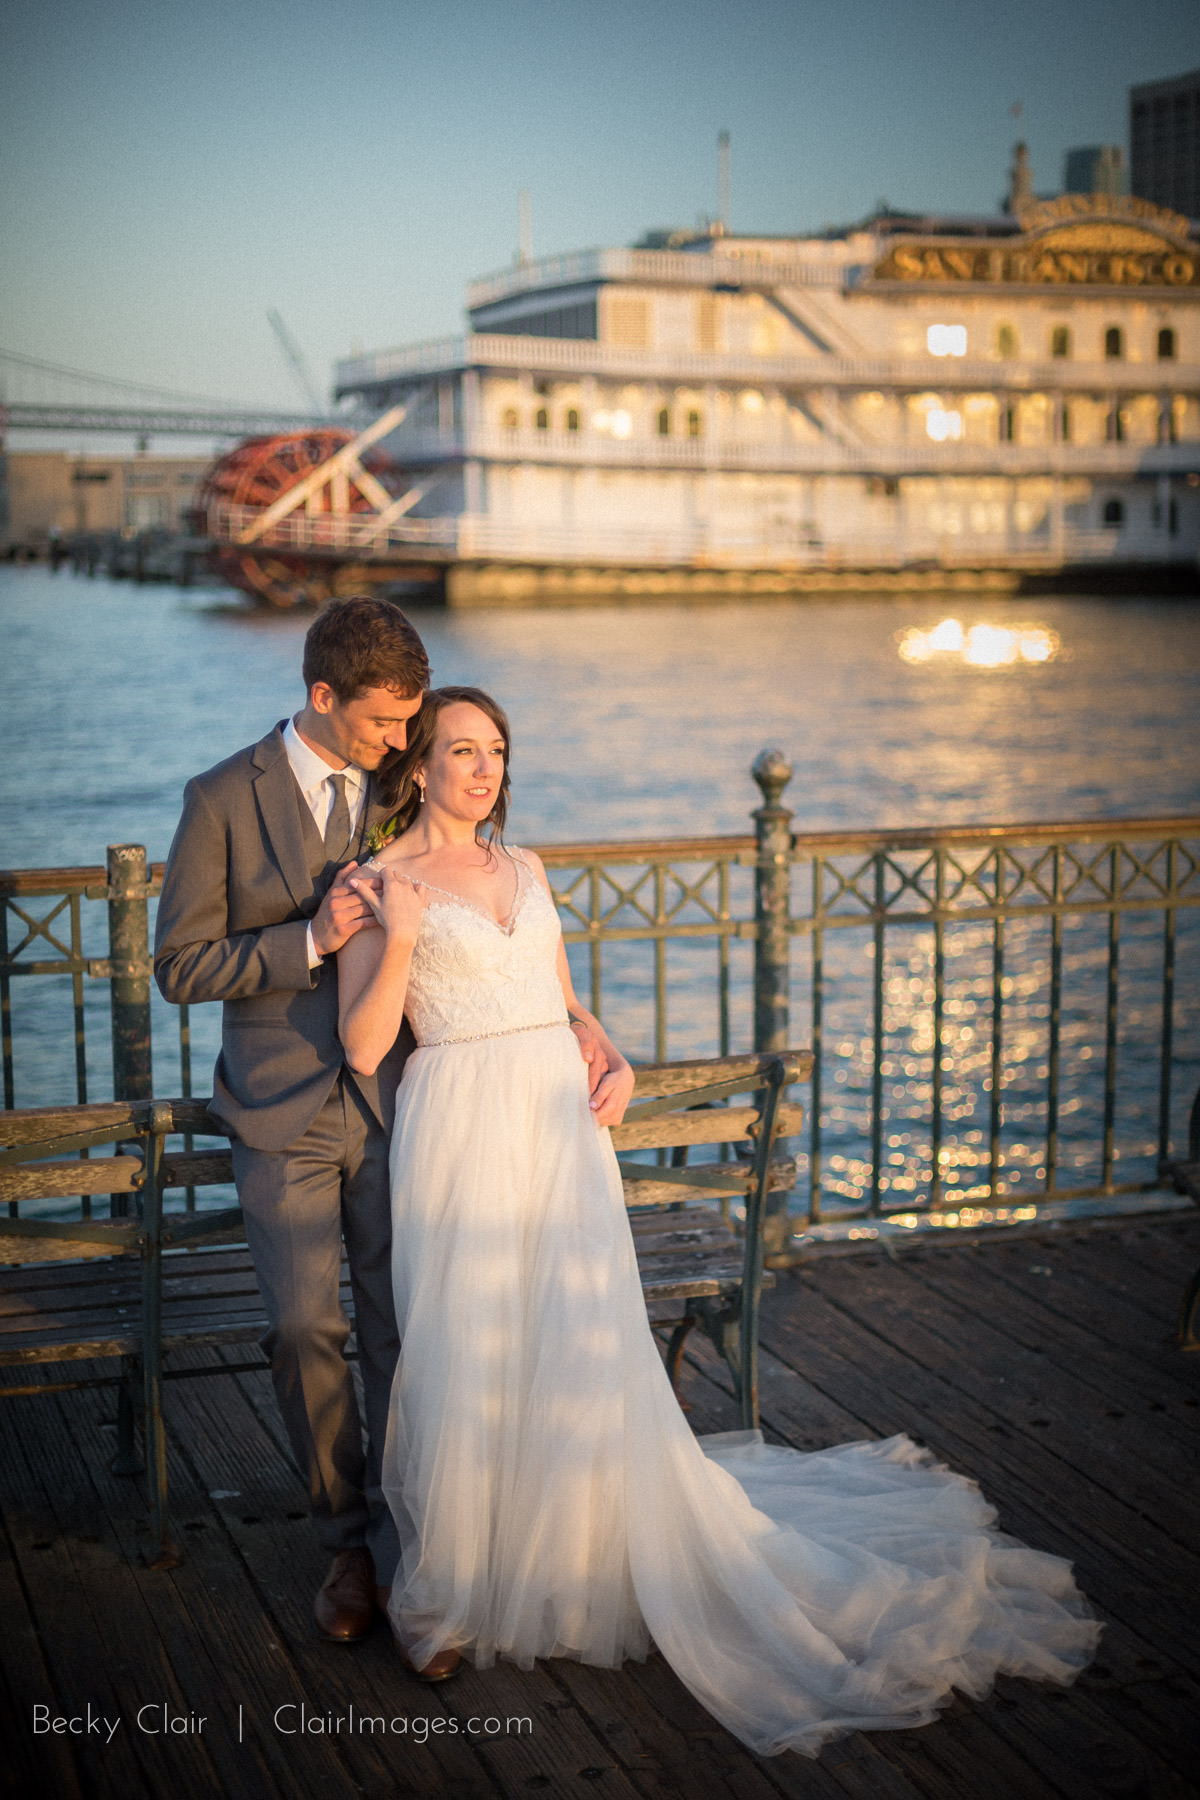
254, 478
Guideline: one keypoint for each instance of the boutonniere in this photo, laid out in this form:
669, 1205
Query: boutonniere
381, 835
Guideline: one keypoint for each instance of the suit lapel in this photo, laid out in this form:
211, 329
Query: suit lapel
282, 810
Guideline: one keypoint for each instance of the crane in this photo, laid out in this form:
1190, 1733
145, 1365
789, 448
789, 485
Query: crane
299, 367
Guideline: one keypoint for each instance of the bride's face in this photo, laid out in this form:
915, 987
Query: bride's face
463, 771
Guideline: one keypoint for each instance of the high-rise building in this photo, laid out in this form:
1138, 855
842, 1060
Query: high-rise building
1096, 169
1164, 142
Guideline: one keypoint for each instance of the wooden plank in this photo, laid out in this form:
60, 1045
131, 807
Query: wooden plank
890, 1391
1122, 1732
1012, 1379
1094, 1696
197, 1168
59, 1180
652, 1080
31, 1124
1036, 1310
261, 1529
645, 1190
35, 1764
53, 1252
707, 1125
225, 1651
92, 1624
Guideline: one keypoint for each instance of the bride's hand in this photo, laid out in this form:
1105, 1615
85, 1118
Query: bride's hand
396, 902
612, 1094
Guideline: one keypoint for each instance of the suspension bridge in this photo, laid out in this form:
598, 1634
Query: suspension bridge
44, 396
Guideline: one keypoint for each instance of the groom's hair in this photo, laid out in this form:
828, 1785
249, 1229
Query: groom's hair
364, 643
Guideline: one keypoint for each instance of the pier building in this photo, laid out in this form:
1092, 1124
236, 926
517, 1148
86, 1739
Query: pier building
1016, 392
56, 494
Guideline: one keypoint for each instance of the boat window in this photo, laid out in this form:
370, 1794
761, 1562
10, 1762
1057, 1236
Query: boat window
542, 419
1006, 341
572, 418
695, 424
664, 421
946, 340
1166, 344
1113, 345
512, 418
1114, 512
1060, 341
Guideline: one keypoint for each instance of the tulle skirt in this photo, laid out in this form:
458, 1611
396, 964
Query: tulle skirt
552, 1500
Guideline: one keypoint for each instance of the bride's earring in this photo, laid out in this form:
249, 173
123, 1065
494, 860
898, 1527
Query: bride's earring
421, 792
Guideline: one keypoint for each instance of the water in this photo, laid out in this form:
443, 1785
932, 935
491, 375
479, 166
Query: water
643, 722
628, 722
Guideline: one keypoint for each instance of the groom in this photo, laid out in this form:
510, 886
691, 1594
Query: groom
254, 905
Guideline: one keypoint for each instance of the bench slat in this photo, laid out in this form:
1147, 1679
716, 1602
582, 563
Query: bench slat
55, 1180
707, 1125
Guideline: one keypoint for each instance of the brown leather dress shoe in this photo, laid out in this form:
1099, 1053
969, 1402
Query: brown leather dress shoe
345, 1604
439, 1668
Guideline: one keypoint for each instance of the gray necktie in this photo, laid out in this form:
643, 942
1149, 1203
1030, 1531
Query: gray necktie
337, 828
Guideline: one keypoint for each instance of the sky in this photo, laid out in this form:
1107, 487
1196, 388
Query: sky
173, 169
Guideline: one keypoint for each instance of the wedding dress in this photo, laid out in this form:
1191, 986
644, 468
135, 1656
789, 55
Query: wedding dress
550, 1496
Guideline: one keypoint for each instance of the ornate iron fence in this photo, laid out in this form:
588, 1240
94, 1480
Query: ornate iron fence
1001, 1016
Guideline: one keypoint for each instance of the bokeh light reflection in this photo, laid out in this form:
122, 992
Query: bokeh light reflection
982, 646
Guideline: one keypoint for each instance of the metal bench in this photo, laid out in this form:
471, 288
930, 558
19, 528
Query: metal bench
136, 1280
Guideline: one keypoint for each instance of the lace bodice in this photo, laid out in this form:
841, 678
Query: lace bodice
471, 978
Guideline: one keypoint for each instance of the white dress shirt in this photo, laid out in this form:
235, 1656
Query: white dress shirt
312, 774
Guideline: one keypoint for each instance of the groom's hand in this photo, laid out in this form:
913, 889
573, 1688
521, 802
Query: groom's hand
592, 1053
341, 913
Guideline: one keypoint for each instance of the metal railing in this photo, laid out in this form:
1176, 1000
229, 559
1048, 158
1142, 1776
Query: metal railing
711, 544
1001, 1016
775, 449
587, 356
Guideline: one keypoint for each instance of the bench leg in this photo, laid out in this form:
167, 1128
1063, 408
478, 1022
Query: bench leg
679, 1338
738, 1345
127, 1461
1189, 1316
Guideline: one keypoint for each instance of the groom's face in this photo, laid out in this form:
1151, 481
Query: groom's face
364, 730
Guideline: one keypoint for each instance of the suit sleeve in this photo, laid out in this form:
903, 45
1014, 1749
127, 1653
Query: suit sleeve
196, 955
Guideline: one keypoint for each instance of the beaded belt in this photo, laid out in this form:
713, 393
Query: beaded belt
478, 1037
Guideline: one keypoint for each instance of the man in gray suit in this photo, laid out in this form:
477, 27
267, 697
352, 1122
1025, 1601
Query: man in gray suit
255, 903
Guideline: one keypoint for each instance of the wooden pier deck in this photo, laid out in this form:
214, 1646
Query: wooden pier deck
1041, 1365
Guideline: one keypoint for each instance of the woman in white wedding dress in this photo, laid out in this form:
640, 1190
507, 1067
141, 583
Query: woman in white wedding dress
550, 1496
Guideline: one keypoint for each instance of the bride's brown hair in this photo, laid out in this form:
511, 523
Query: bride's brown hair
396, 777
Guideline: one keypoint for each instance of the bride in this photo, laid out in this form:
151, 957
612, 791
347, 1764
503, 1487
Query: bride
550, 1496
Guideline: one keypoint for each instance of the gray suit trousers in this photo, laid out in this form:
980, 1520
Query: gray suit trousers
298, 1204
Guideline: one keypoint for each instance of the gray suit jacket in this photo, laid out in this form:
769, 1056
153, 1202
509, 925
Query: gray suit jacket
245, 873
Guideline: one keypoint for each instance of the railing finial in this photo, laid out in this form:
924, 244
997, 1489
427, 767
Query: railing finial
772, 771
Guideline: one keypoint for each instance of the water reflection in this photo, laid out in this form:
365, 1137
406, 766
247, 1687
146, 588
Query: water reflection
983, 646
